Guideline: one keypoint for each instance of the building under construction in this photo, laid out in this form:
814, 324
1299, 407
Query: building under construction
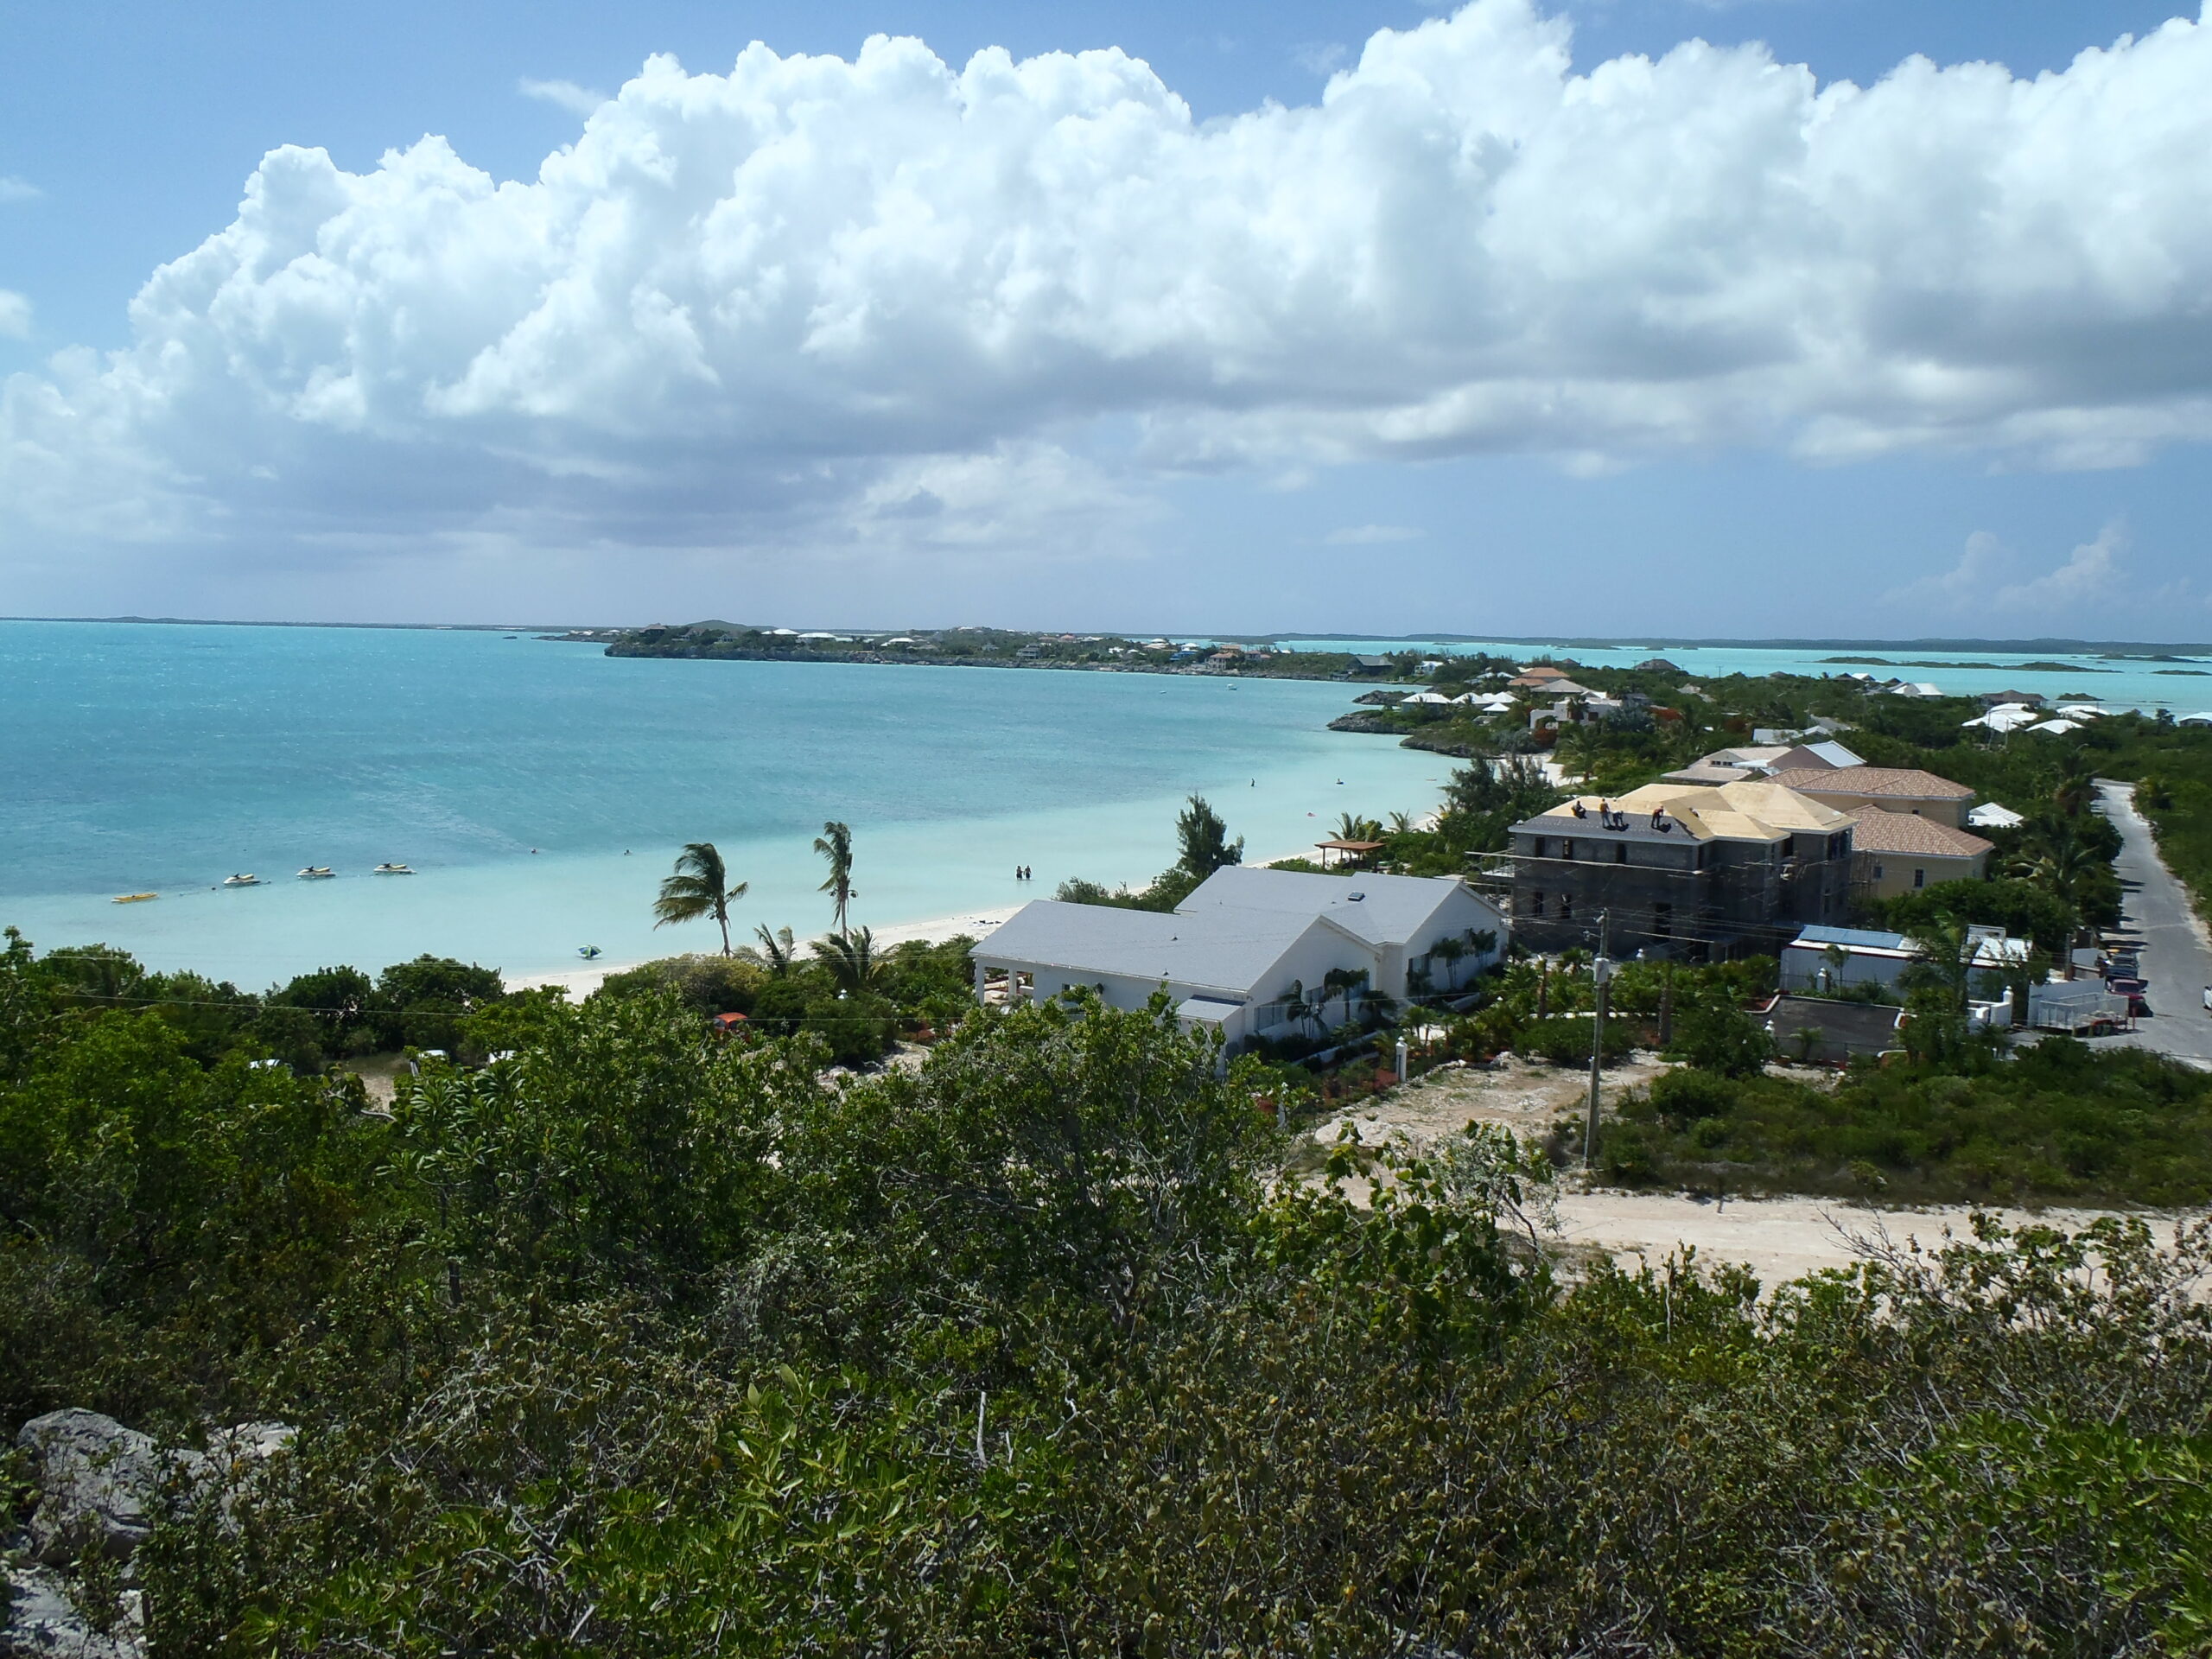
1698, 872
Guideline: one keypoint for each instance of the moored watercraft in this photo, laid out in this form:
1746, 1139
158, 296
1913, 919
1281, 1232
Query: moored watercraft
393, 869
246, 881
135, 898
317, 873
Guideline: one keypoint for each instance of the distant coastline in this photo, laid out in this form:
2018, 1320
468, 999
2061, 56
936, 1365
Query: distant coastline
2130, 650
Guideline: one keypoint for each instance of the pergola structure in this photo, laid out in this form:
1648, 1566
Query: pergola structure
1349, 851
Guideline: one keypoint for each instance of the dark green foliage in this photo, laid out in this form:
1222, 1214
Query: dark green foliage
1682, 1097
1566, 1041
1203, 840
643, 1342
1719, 1037
2023, 910
707, 985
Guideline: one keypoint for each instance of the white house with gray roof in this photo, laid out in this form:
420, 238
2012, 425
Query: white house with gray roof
1246, 941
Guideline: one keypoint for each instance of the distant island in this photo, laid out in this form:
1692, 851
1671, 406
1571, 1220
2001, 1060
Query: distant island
2025, 667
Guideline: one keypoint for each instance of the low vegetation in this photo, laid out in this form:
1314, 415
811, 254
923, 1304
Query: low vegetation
643, 1342
2059, 1124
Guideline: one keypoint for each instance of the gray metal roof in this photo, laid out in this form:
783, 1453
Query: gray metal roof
1381, 909
1226, 950
1865, 938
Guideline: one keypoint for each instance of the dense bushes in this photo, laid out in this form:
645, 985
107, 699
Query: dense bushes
642, 1343
2060, 1123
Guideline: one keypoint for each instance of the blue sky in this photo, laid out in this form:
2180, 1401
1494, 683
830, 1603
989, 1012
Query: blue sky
1497, 334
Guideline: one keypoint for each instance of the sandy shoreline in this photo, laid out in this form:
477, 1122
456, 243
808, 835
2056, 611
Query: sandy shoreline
582, 982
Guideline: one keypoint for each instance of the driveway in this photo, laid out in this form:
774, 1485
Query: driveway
2176, 958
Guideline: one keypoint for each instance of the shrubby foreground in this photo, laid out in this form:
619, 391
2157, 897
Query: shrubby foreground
645, 1342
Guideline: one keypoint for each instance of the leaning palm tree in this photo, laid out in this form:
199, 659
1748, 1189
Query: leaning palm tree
699, 887
835, 844
851, 960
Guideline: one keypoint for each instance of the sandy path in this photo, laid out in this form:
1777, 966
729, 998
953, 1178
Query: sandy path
1777, 1238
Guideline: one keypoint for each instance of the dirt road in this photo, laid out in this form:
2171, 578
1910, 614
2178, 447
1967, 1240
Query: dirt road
1778, 1239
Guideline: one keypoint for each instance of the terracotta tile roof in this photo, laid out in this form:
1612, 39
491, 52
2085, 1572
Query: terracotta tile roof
1904, 832
1906, 783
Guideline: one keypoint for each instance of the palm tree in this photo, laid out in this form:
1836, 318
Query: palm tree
698, 888
1351, 827
776, 952
1343, 982
1449, 951
2075, 786
851, 959
1401, 823
835, 844
2059, 861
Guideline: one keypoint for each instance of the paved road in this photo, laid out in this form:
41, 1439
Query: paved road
2176, 958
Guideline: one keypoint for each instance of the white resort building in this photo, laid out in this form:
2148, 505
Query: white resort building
1250, 947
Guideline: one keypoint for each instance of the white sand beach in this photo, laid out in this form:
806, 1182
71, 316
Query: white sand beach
582, 982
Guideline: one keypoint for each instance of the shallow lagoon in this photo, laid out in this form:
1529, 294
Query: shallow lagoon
164, 758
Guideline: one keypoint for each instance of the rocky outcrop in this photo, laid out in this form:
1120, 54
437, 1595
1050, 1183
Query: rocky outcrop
101, 1487
1362, 720
98, 1483
42, 1619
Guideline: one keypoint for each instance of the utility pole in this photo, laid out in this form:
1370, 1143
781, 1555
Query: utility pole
1601, 971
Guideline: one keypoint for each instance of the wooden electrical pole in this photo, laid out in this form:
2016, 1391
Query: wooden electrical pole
1601, 971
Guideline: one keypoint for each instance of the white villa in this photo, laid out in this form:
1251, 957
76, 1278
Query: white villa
1250, 944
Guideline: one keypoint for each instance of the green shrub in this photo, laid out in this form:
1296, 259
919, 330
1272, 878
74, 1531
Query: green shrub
1721, 1038
1681, 1097
1567, 1042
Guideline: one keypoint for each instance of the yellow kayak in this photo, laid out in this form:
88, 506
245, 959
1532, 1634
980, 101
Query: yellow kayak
135, 898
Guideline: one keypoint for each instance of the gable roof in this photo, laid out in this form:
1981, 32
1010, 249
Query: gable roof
1377, 909
1229, 953
1905, 783
1906, 832
1819, 937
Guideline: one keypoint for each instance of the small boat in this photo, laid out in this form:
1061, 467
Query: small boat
317, 873
135, 898
241, 881
393, 869
588, 951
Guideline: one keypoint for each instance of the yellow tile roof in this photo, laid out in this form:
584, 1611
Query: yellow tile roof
1752, 809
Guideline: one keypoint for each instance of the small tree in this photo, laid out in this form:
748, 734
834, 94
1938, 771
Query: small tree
1203, 840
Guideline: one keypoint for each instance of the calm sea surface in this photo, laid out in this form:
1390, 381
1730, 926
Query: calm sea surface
2184, 687
514, 775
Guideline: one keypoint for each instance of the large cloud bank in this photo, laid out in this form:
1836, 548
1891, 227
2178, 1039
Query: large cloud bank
886, 300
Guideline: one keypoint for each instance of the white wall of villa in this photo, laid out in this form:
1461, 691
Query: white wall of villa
1244, 941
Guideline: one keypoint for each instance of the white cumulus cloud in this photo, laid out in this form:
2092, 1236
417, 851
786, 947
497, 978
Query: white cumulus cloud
15, 315
1990, 577
799, 301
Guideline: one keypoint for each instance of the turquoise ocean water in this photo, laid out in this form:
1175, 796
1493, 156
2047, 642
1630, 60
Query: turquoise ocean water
163, 758
2183, 687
